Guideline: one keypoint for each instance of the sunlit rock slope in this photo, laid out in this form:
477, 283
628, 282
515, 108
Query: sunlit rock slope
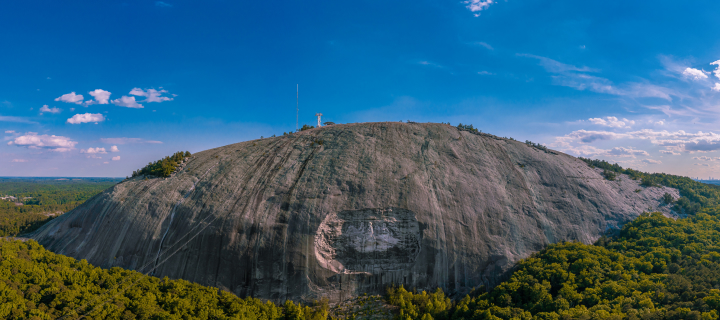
346, 209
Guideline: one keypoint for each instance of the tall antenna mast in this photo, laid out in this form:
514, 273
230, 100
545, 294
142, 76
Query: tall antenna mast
297, 107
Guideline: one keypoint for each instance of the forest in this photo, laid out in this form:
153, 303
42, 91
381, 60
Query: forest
42, 199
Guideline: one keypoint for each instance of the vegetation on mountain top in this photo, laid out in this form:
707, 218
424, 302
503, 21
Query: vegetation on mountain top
163, 167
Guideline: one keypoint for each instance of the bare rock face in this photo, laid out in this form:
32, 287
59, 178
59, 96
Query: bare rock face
347, 209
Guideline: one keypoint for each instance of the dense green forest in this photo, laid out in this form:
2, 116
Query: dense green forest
163, 167
42, 199
38, 284
657, 268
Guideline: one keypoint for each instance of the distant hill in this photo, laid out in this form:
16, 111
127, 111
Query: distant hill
346, 209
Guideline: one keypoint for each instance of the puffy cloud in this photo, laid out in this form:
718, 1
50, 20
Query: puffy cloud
101, 96
9, 131
151, 95
694, 73
717, 69
476, 6
85, 118
670, 152
71, 98
93, 150
716, 87
612, 122
128, 102
126, 140
32, 140
651, 161
114, 149
117, 158
19, 160
586, 136
45, 108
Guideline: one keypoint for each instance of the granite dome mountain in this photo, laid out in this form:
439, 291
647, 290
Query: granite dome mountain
347, 209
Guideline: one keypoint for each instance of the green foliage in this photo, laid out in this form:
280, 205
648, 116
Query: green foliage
163, 167
694, 195
657, 268
466, 127
668, 198
38, 284
610, 175
306, 127
43, 199
420, 305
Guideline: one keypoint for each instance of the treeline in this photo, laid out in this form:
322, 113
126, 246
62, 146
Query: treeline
163, 167
657, 268
38, 284
694, 195
50, 197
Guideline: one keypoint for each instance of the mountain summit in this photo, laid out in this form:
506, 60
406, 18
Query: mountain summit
346, 209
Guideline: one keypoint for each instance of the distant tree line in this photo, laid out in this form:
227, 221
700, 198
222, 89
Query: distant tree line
163, 167
694, 195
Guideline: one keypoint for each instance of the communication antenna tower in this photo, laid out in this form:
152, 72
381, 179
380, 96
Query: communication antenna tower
318, 115
297, 107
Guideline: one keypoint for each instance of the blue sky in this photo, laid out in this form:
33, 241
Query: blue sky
629, 82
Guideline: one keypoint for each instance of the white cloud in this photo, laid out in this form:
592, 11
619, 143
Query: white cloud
101, 96
612, 122
625, 152
71, 98
717, 69
45, 108
675, 141
117, 158
9, 131
19, 160
32, 140
702, 164
476, 6
670, 152
106, 162
85, 118
706, 158
127, 140
694, 73
716, 87
128, 102
151, 95
577, 78
93, 150
651, 161
114, 149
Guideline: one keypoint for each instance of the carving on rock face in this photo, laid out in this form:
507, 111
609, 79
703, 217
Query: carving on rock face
368, 240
